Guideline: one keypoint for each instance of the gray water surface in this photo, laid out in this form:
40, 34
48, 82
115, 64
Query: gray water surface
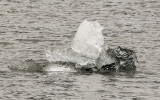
29, 27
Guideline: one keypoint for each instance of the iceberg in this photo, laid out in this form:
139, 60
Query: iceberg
85, 48
86, 53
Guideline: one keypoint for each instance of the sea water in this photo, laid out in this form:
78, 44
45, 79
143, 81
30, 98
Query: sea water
29, 27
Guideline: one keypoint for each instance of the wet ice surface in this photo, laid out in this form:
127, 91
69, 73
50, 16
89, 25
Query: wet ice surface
29, 27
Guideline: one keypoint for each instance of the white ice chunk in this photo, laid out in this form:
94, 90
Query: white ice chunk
104, 58
88, 40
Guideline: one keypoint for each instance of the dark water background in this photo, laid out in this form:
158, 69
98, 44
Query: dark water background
29, 27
